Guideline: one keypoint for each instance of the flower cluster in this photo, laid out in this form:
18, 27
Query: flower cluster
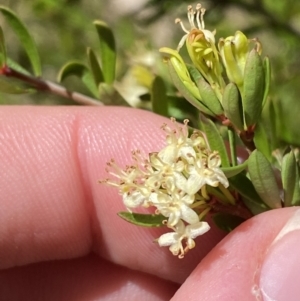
228, 80
174, 181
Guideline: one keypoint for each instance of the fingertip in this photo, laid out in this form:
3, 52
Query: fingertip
234, 269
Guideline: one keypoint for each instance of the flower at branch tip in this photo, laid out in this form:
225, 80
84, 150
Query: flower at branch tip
182, 233
201, 47
173, 181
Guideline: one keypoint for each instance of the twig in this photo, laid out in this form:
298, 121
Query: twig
44, 85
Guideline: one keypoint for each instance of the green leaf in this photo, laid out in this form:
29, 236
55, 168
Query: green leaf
232, 104
107, 51
78, 69
296, 194
159, 97
253, 89
267, 71
227, 222
249, 195
3, 58
290, 180
186, 92
209, 97
262, 141
144, 220
13, 65
95, 67
25, 39
234, 170
215, 139
263, 179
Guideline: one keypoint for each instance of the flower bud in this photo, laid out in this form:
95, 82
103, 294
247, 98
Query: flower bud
234, 51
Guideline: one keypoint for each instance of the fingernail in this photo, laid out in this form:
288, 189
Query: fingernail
280, 272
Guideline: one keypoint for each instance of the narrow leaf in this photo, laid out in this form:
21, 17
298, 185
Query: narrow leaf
262, 141
232, 104
107, 51
185, 92
267, 71
25, 39
296, 194
227, 222
234, 170
159, 97
78, 69
253, 89
144, 220
95, 67
215, 140
2, 49
209, 97
289, 179
249, 195
263, 179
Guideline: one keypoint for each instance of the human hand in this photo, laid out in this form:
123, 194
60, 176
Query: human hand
60, 237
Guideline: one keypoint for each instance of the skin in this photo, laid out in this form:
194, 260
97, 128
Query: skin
60, 236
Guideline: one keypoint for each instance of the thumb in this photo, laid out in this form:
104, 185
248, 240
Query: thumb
257, 261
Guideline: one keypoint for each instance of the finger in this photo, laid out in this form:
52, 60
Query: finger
52, 205
83, 279
258, 261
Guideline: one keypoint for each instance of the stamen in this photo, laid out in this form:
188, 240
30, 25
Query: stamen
191, 16
202, 17
178, 21
198, 10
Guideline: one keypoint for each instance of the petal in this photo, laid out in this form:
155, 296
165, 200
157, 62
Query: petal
189, 215
133, 199
188, 153
194, 183
174, 217
176, 248
221, 177
194, 230
167, 239
168, 154
188, 199
180, 181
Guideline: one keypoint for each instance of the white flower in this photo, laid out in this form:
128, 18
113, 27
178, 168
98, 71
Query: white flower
204, 171
182, 232
175, 206
133, 199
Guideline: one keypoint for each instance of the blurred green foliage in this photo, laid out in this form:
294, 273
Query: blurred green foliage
63, 30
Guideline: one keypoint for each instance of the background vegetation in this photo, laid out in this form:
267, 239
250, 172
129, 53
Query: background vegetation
63, 30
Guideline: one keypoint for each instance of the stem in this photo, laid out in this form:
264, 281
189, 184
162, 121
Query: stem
53, 88
232, 145
247, 139
239, 209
